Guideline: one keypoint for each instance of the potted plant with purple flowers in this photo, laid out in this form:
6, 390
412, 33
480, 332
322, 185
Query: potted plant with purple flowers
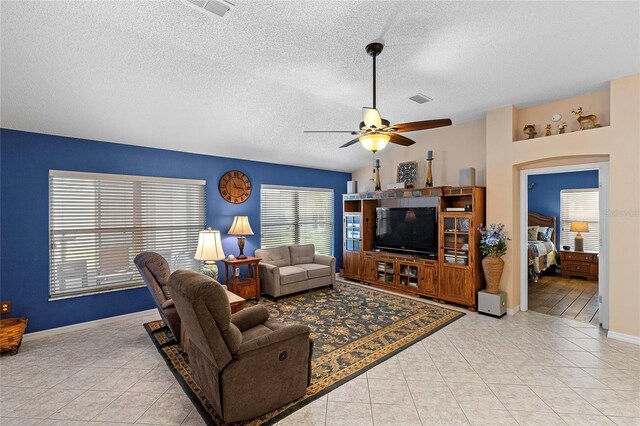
493, 245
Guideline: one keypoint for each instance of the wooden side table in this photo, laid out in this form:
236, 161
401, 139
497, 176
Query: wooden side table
248, 287
579, 264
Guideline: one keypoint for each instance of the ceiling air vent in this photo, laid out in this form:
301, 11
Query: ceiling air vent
217, 7
420, 98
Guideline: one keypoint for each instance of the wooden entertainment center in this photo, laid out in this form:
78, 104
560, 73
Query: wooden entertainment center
455, 276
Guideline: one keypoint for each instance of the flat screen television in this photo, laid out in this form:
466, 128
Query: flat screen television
403, 229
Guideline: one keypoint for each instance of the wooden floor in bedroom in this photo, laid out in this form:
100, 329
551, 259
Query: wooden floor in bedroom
572, 298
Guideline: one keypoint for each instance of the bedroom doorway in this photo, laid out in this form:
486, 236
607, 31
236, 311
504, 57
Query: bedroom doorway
557, 278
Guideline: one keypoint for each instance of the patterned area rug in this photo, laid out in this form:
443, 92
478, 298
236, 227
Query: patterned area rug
354, 329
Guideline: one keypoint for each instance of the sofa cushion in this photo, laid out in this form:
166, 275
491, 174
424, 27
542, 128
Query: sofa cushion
302, 254
314, 270
292, 274
278, 256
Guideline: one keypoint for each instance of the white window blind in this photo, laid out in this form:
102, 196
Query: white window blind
98, 223
296, 216
580, 205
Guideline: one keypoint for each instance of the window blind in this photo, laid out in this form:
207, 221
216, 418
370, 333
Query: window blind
98, 223
580, 205
290, 215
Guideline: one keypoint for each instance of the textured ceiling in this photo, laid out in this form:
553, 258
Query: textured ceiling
161, 74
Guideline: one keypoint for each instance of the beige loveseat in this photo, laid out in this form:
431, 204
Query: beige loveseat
290, 269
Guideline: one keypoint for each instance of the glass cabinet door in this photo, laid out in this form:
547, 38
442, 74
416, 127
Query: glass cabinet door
408, 276
456, 240
385, 272
352, 232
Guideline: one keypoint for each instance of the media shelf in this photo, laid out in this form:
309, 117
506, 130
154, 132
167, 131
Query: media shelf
455, 276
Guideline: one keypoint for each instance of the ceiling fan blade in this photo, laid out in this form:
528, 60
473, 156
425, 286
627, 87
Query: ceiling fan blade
371, 117
400, 140
329, 131
421, 125
351, 142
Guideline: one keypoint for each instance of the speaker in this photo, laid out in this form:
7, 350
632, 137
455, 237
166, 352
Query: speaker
491, 304
467, 176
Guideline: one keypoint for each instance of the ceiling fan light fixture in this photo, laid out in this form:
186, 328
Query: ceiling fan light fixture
374, 142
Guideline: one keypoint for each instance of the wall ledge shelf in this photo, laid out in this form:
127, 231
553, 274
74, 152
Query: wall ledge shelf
559, 137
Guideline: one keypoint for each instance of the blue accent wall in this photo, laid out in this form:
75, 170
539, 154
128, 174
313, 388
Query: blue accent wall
26, 159
544, 198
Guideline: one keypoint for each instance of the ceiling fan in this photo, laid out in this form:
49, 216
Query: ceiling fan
375, 132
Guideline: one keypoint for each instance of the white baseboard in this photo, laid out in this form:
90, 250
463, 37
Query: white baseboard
623, 337
83, 325
514, 310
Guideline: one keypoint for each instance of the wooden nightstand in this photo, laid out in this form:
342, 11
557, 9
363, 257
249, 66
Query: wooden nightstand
249, 287
579, 264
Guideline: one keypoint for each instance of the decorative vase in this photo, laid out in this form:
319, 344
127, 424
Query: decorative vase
492, 266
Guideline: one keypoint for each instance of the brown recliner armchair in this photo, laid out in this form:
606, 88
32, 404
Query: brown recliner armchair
246, 363
155, 273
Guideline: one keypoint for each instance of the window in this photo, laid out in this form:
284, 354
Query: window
297, 216
582, 205
98, 223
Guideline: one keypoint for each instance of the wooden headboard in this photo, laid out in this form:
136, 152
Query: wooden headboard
536, 219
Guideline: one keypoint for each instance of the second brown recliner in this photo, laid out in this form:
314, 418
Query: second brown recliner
246, 363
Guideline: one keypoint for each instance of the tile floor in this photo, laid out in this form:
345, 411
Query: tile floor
528, 369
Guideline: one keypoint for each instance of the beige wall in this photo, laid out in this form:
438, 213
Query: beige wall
621, 143
454, 147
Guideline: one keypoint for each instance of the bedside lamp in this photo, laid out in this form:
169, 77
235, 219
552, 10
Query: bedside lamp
209, 249
241, 227
579, 227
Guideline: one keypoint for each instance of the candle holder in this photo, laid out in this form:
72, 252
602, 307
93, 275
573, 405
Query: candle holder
429, 183
377, 178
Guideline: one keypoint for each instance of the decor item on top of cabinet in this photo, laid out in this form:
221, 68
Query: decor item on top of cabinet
547, 130
585, 121
376, 171
429, 182
493, 245
562, 127
352, 186
235, 187
467, 177
530, 131
407, 173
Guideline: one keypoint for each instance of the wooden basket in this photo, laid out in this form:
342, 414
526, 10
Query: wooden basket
11, 332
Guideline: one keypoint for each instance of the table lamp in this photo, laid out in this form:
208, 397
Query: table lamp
209, 249
579, 227
241, 227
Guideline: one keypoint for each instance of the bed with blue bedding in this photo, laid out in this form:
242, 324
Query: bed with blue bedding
542, 251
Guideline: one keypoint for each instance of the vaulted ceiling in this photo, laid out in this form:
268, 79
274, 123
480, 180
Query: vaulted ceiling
162, 74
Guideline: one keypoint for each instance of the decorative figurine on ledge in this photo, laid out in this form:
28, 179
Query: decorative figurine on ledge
562, 127
585, 121
530, 131
547, 130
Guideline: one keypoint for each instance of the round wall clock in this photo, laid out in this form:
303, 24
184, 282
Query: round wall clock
235, 187
407, 173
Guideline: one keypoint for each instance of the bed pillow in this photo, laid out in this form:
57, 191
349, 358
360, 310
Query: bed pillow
544, 233
533, 233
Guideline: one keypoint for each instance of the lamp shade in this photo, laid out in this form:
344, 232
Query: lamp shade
240, 226
209, 246
579, 227
374, 141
